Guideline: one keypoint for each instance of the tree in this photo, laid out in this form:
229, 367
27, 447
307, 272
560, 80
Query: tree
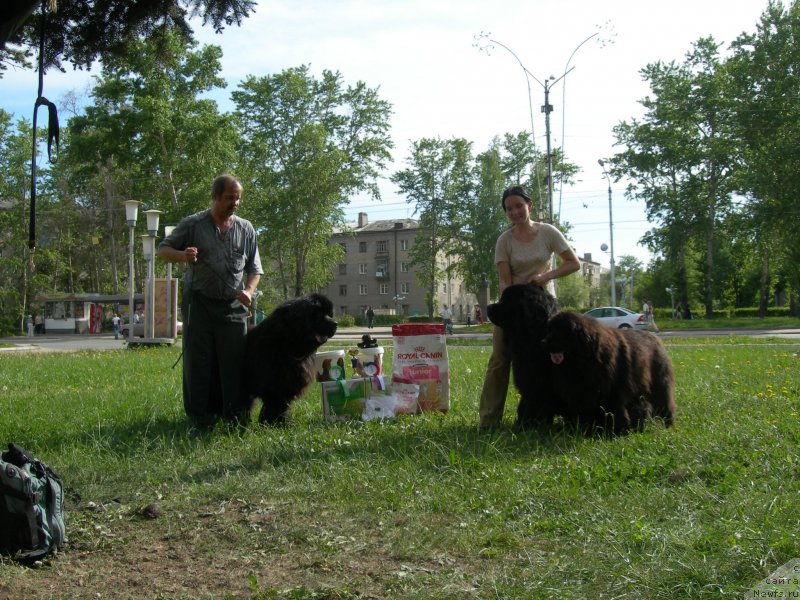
680, 158
15, 260
439, 183
148, 136
82, 31
483, 221
763, 72
308, 145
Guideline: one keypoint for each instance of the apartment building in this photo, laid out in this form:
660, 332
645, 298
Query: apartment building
376, 271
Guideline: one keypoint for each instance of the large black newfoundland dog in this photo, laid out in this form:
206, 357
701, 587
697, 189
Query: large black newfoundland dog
608, 379
522, 313
280, 353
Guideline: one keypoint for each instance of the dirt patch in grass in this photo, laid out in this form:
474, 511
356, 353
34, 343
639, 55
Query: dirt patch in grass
234, 550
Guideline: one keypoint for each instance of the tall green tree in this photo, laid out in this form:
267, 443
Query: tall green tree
680, 159
14, 186
439, 182
763, 72
307, 145
483, 220
149, 135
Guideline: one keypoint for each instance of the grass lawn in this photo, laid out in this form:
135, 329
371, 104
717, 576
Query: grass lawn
419, 507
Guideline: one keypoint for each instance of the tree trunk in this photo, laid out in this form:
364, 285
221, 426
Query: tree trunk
763, 292
709, 277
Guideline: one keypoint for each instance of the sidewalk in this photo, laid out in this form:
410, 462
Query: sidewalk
71, 342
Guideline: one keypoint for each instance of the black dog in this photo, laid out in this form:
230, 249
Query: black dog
522, 313
608, 379
280, 353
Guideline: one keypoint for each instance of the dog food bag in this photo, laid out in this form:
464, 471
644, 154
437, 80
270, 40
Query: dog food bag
420, 355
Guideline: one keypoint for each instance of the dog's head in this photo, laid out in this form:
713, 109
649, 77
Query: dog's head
570, 336
302, 324
523, 309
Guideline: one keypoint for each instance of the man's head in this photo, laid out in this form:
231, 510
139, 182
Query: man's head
226, 193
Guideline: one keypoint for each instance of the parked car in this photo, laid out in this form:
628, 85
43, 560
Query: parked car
616, 316
138, 329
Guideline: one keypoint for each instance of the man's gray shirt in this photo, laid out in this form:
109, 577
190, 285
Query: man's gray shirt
223, 260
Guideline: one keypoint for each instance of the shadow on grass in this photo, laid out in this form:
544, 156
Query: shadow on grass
430, 441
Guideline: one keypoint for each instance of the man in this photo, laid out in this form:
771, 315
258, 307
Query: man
369, 316
447, 318
115, 322
221, 250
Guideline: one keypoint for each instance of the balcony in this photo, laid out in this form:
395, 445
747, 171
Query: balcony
382, 275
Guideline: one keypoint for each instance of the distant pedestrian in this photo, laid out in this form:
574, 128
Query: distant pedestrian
650, 322
38, 324
447, 319
478, 315
115, 321
30, 325
369, 317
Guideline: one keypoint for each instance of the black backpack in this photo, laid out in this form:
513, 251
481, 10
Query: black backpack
31, 507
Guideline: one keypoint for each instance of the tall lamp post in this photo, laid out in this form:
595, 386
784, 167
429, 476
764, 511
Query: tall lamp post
149, 249
131, 212
168, 229
602, 164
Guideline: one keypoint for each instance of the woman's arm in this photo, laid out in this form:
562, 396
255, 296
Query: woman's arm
504, 272
569, 264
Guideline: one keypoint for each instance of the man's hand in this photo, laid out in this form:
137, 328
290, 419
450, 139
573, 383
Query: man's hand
245, 297
191, 255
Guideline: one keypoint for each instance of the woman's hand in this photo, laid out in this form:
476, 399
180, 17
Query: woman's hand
539, 279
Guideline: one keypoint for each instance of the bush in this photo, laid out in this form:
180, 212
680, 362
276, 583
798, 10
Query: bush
772, 311
346, 320
8, 326
422, 319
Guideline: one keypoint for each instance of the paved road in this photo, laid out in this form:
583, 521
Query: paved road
73, 342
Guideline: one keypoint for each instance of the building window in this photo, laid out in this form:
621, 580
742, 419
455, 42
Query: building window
384, 289
444, 288
404, 288
343, 290
382, 246
362, 246
343, 246
362, 289
362, 268
342, 269
403, 244
404, 267
342, 310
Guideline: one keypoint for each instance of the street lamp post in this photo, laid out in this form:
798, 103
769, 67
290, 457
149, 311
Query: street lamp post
602, 164
150, 249
131, 212
168, 229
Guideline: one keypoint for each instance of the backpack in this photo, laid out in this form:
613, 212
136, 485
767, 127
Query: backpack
31, 506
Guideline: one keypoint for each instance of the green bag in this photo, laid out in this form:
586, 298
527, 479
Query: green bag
31, 507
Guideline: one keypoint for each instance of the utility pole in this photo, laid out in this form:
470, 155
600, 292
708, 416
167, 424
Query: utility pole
602, 164
547, 108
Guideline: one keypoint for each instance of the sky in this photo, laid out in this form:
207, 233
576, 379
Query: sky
428, 61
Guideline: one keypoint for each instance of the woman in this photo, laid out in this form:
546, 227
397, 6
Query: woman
523, 254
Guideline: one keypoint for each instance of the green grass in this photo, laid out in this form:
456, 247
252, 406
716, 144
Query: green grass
420, 507
731, 322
